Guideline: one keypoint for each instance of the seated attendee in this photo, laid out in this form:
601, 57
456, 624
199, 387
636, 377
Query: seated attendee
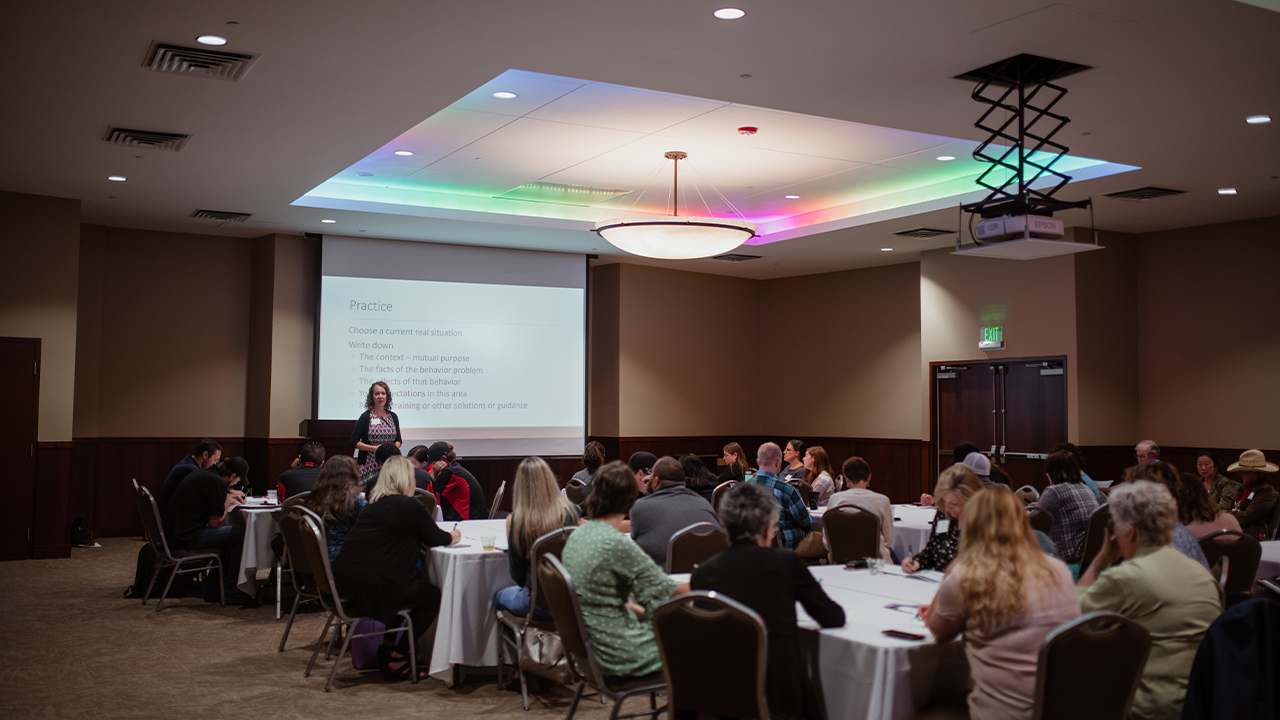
1070, 503
1167, 475
956, 485
456, 490
698, 477
608, 571
196, 519
537, 508
792, 462
337, 499
1170, 595
641, 464
1147, 451
1256, 504
735, 464
1222, 489
669, 508
981, 466
1197, 510
205, 456
770, 581
420, 459
592, 459
795, 521
378, 568
855, 474
1078, 454
961, 451
1006, 596
817, 473
303, 473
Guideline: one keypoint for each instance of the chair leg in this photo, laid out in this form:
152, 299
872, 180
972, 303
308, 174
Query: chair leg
316, 653
337, 631
577, 695
222, 588
167, 585
346, 640
289, 625
154, 574
279, 572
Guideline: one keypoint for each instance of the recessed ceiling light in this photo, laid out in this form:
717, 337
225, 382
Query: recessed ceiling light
946, 158
365, 174
330, 222
403, 153
1258, 119
792, 197
886, 249
728, 13
1226, 191
116, 178
211, 40
504, 95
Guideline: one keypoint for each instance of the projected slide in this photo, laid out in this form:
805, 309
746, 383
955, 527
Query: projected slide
494, 369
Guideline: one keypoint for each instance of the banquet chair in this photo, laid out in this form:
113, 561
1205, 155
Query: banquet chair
1275, 523
201, 560
316, 552
427, 499
714, 653
574, 491
694, 545
497, 501
1076, 654
1242, 555
719, 492
1027, 494
853, 533
512, 628
295, 561
1233, 674
282, 558
1093, 535
806, 491
562, 600
1040, 520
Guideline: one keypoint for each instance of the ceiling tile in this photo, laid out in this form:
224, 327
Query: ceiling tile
620, 108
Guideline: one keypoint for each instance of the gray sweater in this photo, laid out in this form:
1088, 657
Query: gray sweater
665, 512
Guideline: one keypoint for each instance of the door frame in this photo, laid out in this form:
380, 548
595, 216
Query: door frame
35, 443
934, 452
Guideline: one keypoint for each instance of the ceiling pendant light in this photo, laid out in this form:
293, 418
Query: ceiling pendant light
676, 237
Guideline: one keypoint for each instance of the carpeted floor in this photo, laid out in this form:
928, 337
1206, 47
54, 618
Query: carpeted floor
72, 647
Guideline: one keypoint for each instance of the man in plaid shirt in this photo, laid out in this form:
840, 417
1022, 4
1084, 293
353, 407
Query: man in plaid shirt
794, 522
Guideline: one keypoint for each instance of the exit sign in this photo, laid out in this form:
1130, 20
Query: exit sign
992, 338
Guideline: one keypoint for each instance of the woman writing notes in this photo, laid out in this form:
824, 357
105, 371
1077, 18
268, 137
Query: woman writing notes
377, 425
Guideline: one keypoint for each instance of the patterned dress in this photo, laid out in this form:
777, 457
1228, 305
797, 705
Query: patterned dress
381, 430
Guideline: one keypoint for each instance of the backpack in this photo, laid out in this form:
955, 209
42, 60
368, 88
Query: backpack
146, 566
81, 535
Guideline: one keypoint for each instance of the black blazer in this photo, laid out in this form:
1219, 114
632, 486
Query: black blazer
771, 581
360, 433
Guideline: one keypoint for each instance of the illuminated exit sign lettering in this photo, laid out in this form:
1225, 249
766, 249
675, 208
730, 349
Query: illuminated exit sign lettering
992, 338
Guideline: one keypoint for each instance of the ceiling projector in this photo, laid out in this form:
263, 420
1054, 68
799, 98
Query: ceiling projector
1017, 227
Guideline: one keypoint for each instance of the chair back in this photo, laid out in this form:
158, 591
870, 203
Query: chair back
806, 491
151, 524
562, 600
1093, 535
1040, 520
1076, 654
1027, 494
549, 545
312, 557
294, 500
719, 492
574, 490
1275, 522
714, 653
1242, 553
853, 533
427, 499
694, 545
497, 500
292, 532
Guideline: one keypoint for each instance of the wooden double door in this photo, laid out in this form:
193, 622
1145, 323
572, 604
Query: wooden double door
19, 410
1015, 410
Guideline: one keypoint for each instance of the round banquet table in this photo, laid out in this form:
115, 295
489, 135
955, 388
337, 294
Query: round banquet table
468, 577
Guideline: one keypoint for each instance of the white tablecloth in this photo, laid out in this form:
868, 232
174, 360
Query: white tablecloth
469, 577
866, 674
911, 527
1269, 566
259, 528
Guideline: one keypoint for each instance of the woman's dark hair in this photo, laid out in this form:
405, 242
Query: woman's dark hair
1061, 468
1074, 450
614, 490
1217, 466
593, 456
797, 445
368, 400
695, 471
962, 451
335, 491
421, 453
855, 470
1193, 500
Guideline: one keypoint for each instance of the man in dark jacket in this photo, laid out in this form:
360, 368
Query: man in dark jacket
303, 473
669, 508
196, 519
205, 456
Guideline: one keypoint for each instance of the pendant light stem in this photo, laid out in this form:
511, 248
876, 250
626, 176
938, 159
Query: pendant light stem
675, 156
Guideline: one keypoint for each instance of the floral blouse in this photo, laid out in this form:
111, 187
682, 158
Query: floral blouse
942, 548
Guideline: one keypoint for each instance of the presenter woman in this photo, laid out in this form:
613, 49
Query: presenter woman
376, 426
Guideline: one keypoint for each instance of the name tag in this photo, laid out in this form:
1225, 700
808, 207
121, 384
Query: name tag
944, 526
1250, 496
375, 421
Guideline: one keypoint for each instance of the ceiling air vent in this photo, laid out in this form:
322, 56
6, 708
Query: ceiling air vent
562, 194
199, 62
221, 216
924, 233
736, 257
1145, 193
149, 139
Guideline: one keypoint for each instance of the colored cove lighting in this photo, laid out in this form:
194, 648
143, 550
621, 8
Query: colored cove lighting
558, 160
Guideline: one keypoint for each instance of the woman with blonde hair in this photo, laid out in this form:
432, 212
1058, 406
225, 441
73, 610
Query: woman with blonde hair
537, 509
956, 485
817, 472
378, 568
1006, 595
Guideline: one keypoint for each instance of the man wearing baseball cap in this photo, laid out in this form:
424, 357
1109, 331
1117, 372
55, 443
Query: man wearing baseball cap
458, 492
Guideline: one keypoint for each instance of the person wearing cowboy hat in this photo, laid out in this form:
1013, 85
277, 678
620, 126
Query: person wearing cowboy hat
1257, 500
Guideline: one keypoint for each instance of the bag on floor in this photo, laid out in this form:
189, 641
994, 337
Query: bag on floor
543, 655
142, 576
364, 650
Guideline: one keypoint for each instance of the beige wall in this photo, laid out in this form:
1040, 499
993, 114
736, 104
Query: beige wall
1209, 335
844, 354
293, 310
168, 351
38, 296
1033, 299
1106, 341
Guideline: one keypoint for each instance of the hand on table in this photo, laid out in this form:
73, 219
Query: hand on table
910, 565
926, 499
456, 534
237, 497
